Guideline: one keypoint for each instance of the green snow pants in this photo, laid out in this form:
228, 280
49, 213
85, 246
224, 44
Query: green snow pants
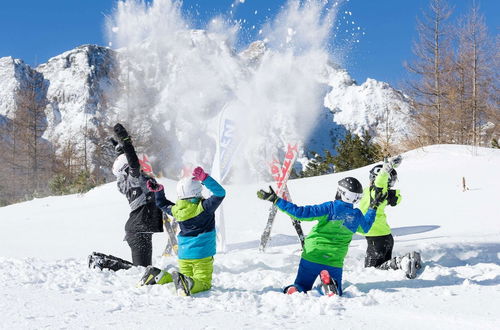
200, 270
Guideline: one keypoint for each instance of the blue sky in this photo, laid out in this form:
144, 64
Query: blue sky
35, 30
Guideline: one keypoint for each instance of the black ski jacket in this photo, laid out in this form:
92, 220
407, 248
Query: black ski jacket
144, 217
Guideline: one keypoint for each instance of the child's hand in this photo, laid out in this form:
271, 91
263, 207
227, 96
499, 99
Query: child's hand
267, 196
120, 132
199, 174
154, 186
392, 163
379, 198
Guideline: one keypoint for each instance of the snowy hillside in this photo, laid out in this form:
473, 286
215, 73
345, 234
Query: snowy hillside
45, 282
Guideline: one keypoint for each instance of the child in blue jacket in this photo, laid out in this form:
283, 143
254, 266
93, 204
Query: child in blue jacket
326, 246
197, 237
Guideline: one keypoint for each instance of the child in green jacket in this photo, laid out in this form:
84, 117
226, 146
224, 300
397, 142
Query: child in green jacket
379, 238
326, 245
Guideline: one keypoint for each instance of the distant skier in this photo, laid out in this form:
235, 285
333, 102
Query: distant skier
197, 237
144, 219
379, 238
326, 245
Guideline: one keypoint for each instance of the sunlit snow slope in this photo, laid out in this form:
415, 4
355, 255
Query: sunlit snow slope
44, 280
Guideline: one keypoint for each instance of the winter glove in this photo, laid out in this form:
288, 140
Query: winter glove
396, 161
118, 147
391, 163
154, 186
393, 197
199, 174
121, 133
378, 199
268, 196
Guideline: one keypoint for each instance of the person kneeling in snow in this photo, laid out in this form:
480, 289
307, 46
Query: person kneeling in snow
144, 219
379, 238
326, 245
197, 236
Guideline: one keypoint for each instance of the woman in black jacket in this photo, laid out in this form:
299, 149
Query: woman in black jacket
145, 218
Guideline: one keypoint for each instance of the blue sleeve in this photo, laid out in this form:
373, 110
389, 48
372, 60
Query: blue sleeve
218, 193
163, 203
305, 213
367, 220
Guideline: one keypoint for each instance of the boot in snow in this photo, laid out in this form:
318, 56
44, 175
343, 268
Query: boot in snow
105, 261
151, 276
410, 263
418, 260
183, 284
290, 289
328, 284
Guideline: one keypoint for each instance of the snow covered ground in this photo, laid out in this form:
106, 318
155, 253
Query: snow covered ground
45, 282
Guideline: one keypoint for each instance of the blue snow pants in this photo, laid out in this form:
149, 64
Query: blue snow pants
309, 271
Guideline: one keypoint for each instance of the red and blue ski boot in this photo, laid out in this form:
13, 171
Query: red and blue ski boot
328, 284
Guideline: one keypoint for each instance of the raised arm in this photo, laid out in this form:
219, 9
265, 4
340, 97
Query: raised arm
218, 192
304, 213
128, 149
366, 221
160, 200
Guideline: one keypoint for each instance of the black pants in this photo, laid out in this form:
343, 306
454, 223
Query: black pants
378, 250
142, 248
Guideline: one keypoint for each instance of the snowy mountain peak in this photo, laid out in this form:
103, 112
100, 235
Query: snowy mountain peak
15, 77
374, 106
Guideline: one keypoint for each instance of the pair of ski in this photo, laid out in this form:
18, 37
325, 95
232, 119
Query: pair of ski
281, 175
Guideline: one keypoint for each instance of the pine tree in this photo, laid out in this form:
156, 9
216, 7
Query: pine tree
354, 152
319, 165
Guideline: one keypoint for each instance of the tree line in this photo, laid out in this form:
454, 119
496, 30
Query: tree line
454, 79
34, 167
454, 89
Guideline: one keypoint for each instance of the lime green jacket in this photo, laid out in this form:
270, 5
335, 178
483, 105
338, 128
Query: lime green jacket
392, 197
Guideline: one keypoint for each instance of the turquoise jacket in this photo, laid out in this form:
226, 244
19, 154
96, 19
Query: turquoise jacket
196, 219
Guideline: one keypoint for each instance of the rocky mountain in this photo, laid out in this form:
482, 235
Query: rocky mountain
73, 97
84, 92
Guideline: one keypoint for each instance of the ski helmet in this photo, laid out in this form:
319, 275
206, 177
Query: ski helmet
349, 190
188, 188
393, 175
120, 166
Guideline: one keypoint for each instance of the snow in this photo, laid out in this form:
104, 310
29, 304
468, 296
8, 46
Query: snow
45, 282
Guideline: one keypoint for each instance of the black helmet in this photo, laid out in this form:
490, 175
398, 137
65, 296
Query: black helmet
349, 190
393, 175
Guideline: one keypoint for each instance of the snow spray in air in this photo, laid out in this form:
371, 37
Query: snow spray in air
179, 84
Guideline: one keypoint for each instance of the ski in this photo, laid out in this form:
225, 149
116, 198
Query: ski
170, 227
286, 196
295, 223
281, 178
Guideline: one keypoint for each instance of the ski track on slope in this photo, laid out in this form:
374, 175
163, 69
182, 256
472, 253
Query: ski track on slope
247, 287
